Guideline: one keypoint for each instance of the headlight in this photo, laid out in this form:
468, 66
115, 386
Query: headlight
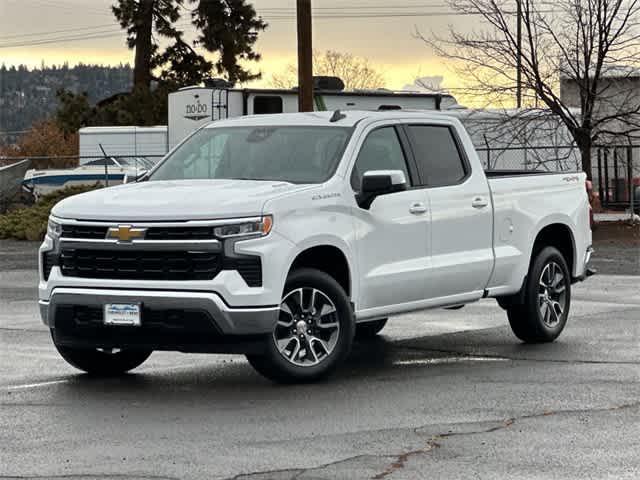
256, 228
54, 229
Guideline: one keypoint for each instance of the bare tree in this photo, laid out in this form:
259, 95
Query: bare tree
574, 53
356, 72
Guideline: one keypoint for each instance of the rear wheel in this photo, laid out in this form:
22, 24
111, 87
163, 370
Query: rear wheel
370, 329
103, 362
314, 332
547, 299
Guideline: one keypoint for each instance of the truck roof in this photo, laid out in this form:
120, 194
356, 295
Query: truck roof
351, 117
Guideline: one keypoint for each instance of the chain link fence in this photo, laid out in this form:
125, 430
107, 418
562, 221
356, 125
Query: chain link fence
615, 169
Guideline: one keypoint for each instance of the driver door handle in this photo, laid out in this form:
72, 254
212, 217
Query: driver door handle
418, 208
479, 202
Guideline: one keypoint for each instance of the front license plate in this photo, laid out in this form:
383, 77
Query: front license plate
123, 314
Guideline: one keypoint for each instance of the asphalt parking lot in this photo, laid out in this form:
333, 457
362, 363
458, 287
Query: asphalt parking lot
443, 394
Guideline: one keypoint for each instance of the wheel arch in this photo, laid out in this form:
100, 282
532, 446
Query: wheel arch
328, 258
558, 234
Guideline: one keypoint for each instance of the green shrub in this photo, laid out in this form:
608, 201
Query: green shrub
30, 223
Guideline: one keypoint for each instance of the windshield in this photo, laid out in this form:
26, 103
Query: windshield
289, 154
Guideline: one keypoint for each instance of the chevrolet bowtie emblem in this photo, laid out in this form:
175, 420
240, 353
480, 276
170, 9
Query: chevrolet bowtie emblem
126, 233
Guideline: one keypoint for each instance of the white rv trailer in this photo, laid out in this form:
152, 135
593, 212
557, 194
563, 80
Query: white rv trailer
192, 107
131, 142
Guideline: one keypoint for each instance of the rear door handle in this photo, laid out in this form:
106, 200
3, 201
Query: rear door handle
418, 208
479, 202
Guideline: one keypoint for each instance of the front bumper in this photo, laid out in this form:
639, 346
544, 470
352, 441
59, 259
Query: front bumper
171, 320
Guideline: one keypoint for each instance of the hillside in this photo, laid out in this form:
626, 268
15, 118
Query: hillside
27, 95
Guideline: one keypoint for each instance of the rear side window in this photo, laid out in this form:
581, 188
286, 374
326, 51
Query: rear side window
381, 150
437, 155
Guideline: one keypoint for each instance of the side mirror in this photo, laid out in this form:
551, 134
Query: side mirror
380, 182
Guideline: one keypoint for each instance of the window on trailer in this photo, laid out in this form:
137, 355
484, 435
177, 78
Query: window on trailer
267, 104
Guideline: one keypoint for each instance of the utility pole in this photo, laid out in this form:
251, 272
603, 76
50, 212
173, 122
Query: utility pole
519, 54
305, 56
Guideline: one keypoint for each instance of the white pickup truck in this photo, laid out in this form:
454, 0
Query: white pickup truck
283, 237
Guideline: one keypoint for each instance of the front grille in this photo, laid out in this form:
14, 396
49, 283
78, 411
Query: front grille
136, 265
179, 233
84, 231
153, 233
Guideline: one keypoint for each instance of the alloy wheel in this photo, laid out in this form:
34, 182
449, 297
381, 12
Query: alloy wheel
308, 327
552, 297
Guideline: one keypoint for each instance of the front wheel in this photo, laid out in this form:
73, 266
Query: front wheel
547, 299
104, 363
314, 332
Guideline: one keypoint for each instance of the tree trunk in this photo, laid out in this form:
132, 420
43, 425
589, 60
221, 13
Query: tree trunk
144, 30
585, 145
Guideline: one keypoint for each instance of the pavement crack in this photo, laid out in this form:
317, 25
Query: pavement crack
471, 356
400, 461
434, 442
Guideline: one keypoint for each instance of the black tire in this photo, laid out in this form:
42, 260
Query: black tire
103, 364
273, 364
537, 319
370, 329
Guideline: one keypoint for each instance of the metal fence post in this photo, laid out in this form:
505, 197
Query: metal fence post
606, 178
600, 185
630, 182
486, 142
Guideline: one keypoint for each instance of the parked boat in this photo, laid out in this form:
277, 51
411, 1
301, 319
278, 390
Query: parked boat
111, 171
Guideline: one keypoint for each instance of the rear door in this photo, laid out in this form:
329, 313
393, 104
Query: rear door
461, 228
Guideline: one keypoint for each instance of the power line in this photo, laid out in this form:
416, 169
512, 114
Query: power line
278, 11
52, 32
327, 13
360, 8
74, 38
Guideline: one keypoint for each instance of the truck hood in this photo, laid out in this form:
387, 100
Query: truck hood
174, 200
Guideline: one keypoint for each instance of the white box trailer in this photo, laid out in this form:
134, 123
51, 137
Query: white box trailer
192, 107
150, 142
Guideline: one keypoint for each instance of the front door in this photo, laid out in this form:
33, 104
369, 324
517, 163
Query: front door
392, 236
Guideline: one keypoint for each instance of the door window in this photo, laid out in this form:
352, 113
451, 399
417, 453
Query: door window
437, 155
381, 150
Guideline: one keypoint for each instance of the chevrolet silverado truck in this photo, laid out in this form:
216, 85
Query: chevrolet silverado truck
283, 237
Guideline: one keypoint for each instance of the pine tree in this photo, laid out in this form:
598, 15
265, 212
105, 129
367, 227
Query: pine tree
227, 28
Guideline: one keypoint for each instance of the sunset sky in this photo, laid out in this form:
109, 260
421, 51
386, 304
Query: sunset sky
387, 41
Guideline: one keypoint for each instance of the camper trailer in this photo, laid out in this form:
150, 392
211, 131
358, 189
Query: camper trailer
192, 107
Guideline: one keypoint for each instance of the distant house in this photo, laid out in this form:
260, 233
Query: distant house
618, 92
